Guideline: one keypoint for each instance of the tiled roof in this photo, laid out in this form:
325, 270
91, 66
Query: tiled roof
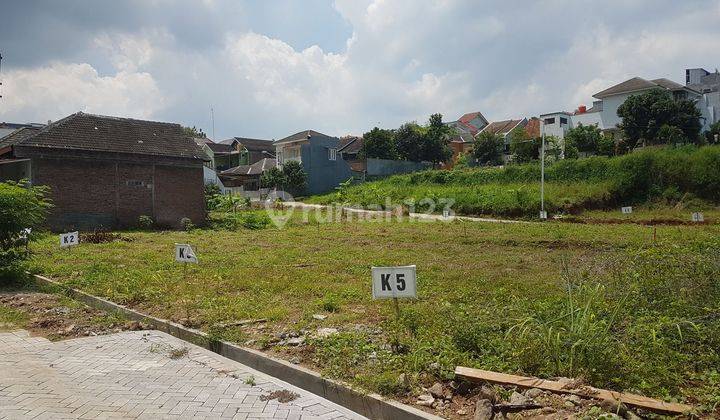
501, 127
462, 138
256, 145
256, 168
636, 84
533, 128
220, 147
17, 136
350, 144
100, 133
302, 135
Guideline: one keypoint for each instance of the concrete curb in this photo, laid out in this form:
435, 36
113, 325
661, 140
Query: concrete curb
369, 405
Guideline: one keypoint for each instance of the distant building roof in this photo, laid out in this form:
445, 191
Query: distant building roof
350, 144
220, 148
256, 168
501, 127
533, 127
302, 135
637, 84
99, 133
462, 138
256, 145
17, 136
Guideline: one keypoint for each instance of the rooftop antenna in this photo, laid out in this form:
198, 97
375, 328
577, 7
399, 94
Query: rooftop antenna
212, 117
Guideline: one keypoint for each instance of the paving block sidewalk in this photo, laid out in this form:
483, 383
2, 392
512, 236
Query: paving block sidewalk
140, 374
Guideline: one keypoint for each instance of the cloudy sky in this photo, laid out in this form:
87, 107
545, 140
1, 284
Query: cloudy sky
272, 68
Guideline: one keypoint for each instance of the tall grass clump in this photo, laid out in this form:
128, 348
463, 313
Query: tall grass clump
649, 327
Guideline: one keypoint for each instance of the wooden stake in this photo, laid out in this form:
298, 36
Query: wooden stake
477, 375
397, 308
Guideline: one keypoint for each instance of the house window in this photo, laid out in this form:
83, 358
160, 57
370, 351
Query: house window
332, 154
563, 120
549, 121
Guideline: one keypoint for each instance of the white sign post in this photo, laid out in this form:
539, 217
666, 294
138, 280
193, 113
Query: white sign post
627, 210
393, 283
543, 214
698, 217
446, 214
69, 239
185, 254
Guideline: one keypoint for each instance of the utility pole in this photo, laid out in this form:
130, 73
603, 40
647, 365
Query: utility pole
212, 117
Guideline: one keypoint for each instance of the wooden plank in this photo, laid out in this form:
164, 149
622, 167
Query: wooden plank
479, 375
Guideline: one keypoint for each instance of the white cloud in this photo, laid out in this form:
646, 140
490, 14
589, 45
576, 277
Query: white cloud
59, 89
403, 61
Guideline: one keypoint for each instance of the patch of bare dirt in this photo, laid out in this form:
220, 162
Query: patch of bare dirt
283, 396
49, 317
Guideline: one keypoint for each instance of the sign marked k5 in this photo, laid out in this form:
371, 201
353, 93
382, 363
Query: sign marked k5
394, 282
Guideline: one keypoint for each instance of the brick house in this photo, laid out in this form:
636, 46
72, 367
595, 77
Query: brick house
107, 171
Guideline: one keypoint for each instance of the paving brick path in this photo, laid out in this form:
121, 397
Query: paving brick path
140, 374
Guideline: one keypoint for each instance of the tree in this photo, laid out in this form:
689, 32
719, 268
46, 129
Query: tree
291, 178
379, 143
194, 132
488, 148
523, 148
713, 134
553, 148
22, 207
273, 178
585, 137
644, 115
435, 147
409, 141
296, 177
606, 145
669, 134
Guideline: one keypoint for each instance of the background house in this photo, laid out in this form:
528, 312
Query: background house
246, 177
251, 150
708, 84
701, 86
318, 154
504, 128
470, 123
107, 171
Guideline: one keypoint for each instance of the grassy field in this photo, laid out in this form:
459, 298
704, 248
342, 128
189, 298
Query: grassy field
686, 179
604, 302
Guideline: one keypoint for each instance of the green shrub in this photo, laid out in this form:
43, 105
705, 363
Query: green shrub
329, 303
22, 207
146, 222
254, 220
186, 224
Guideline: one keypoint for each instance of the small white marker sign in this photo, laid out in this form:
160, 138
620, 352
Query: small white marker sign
394, 282
69, 239
185, 254
543, 214
627, 210
25, 233
446, 214
698, 217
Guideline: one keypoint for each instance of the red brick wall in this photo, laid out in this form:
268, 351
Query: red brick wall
179, 192
88, 194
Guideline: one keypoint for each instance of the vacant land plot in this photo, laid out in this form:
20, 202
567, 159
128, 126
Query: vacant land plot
621, 306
